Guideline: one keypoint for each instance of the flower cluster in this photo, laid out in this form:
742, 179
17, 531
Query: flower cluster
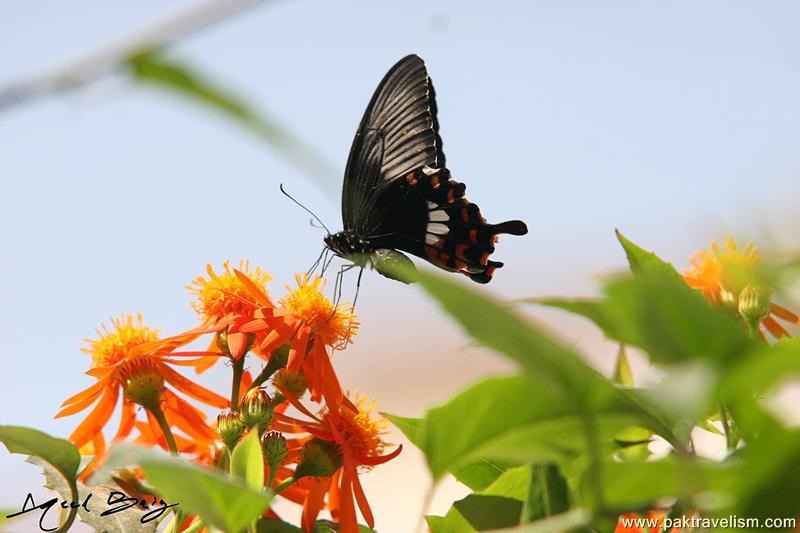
316, 440
729, 277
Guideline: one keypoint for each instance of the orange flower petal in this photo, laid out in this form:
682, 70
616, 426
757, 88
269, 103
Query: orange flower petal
776, 329
254, 290
313, 504
785, 314
126, 422
192, 389
97, 419
363, 504
93, 391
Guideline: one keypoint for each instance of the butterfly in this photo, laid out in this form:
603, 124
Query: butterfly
398, 195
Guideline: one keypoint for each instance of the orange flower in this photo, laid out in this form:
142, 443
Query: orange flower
654, 520
236, 304
726, 277
132, 360
320, 325
358, 434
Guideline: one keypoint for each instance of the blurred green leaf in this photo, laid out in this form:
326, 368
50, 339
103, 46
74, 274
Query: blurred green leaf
247, 461
271, 525
499, 327
480, 474
547, 495
152, 67
630, 486
511, 419
656, 311
643, 262
225, 503
412, 428
477, 475
664, 317
622, 369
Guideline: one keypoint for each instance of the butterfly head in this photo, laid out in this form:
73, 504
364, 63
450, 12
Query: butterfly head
346, 244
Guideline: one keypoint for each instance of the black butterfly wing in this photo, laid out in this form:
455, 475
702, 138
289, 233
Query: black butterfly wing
398, 133
425, 213
397, 193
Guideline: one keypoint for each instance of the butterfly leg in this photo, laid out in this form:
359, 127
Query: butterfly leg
358, 287
321, 258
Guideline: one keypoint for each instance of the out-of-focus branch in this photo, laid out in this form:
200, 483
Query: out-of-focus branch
114, 55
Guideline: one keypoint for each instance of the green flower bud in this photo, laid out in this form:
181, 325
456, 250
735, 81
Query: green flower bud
230, 428
256, 409
144, 387
319, 458
754, 305
275, 450
292, 381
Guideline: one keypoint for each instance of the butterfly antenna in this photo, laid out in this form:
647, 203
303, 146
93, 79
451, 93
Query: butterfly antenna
307, 210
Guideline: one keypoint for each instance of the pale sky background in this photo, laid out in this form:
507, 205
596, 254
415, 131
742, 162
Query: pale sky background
677, 122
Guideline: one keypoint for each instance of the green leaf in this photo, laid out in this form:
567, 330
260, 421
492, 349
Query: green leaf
483, 472
512, 419
622, 369
497, 326
547, 493
123, 522
271, 525
477, 512
247, 461
152, 67
664, 317
641, 485
60, 453
477, 475
644, 262
225, 503
412, 428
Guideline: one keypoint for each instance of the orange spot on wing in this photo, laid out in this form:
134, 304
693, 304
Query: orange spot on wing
411, 179
460, 249
465, 214
435, 183
450, 196
473, 234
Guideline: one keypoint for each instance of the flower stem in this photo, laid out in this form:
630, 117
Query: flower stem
277, 360
238, 370
730, 438
164, 425
286, 483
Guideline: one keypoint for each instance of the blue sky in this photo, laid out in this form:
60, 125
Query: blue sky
677, 122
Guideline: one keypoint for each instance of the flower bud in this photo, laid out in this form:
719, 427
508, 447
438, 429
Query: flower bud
230, 428
292, 381
256, 409
275, 450
144, 387
754, 305
319, 458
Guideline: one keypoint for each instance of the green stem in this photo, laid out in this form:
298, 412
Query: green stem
164, 425
286, 483
238, 370
194, 528
730, 438
277, 360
